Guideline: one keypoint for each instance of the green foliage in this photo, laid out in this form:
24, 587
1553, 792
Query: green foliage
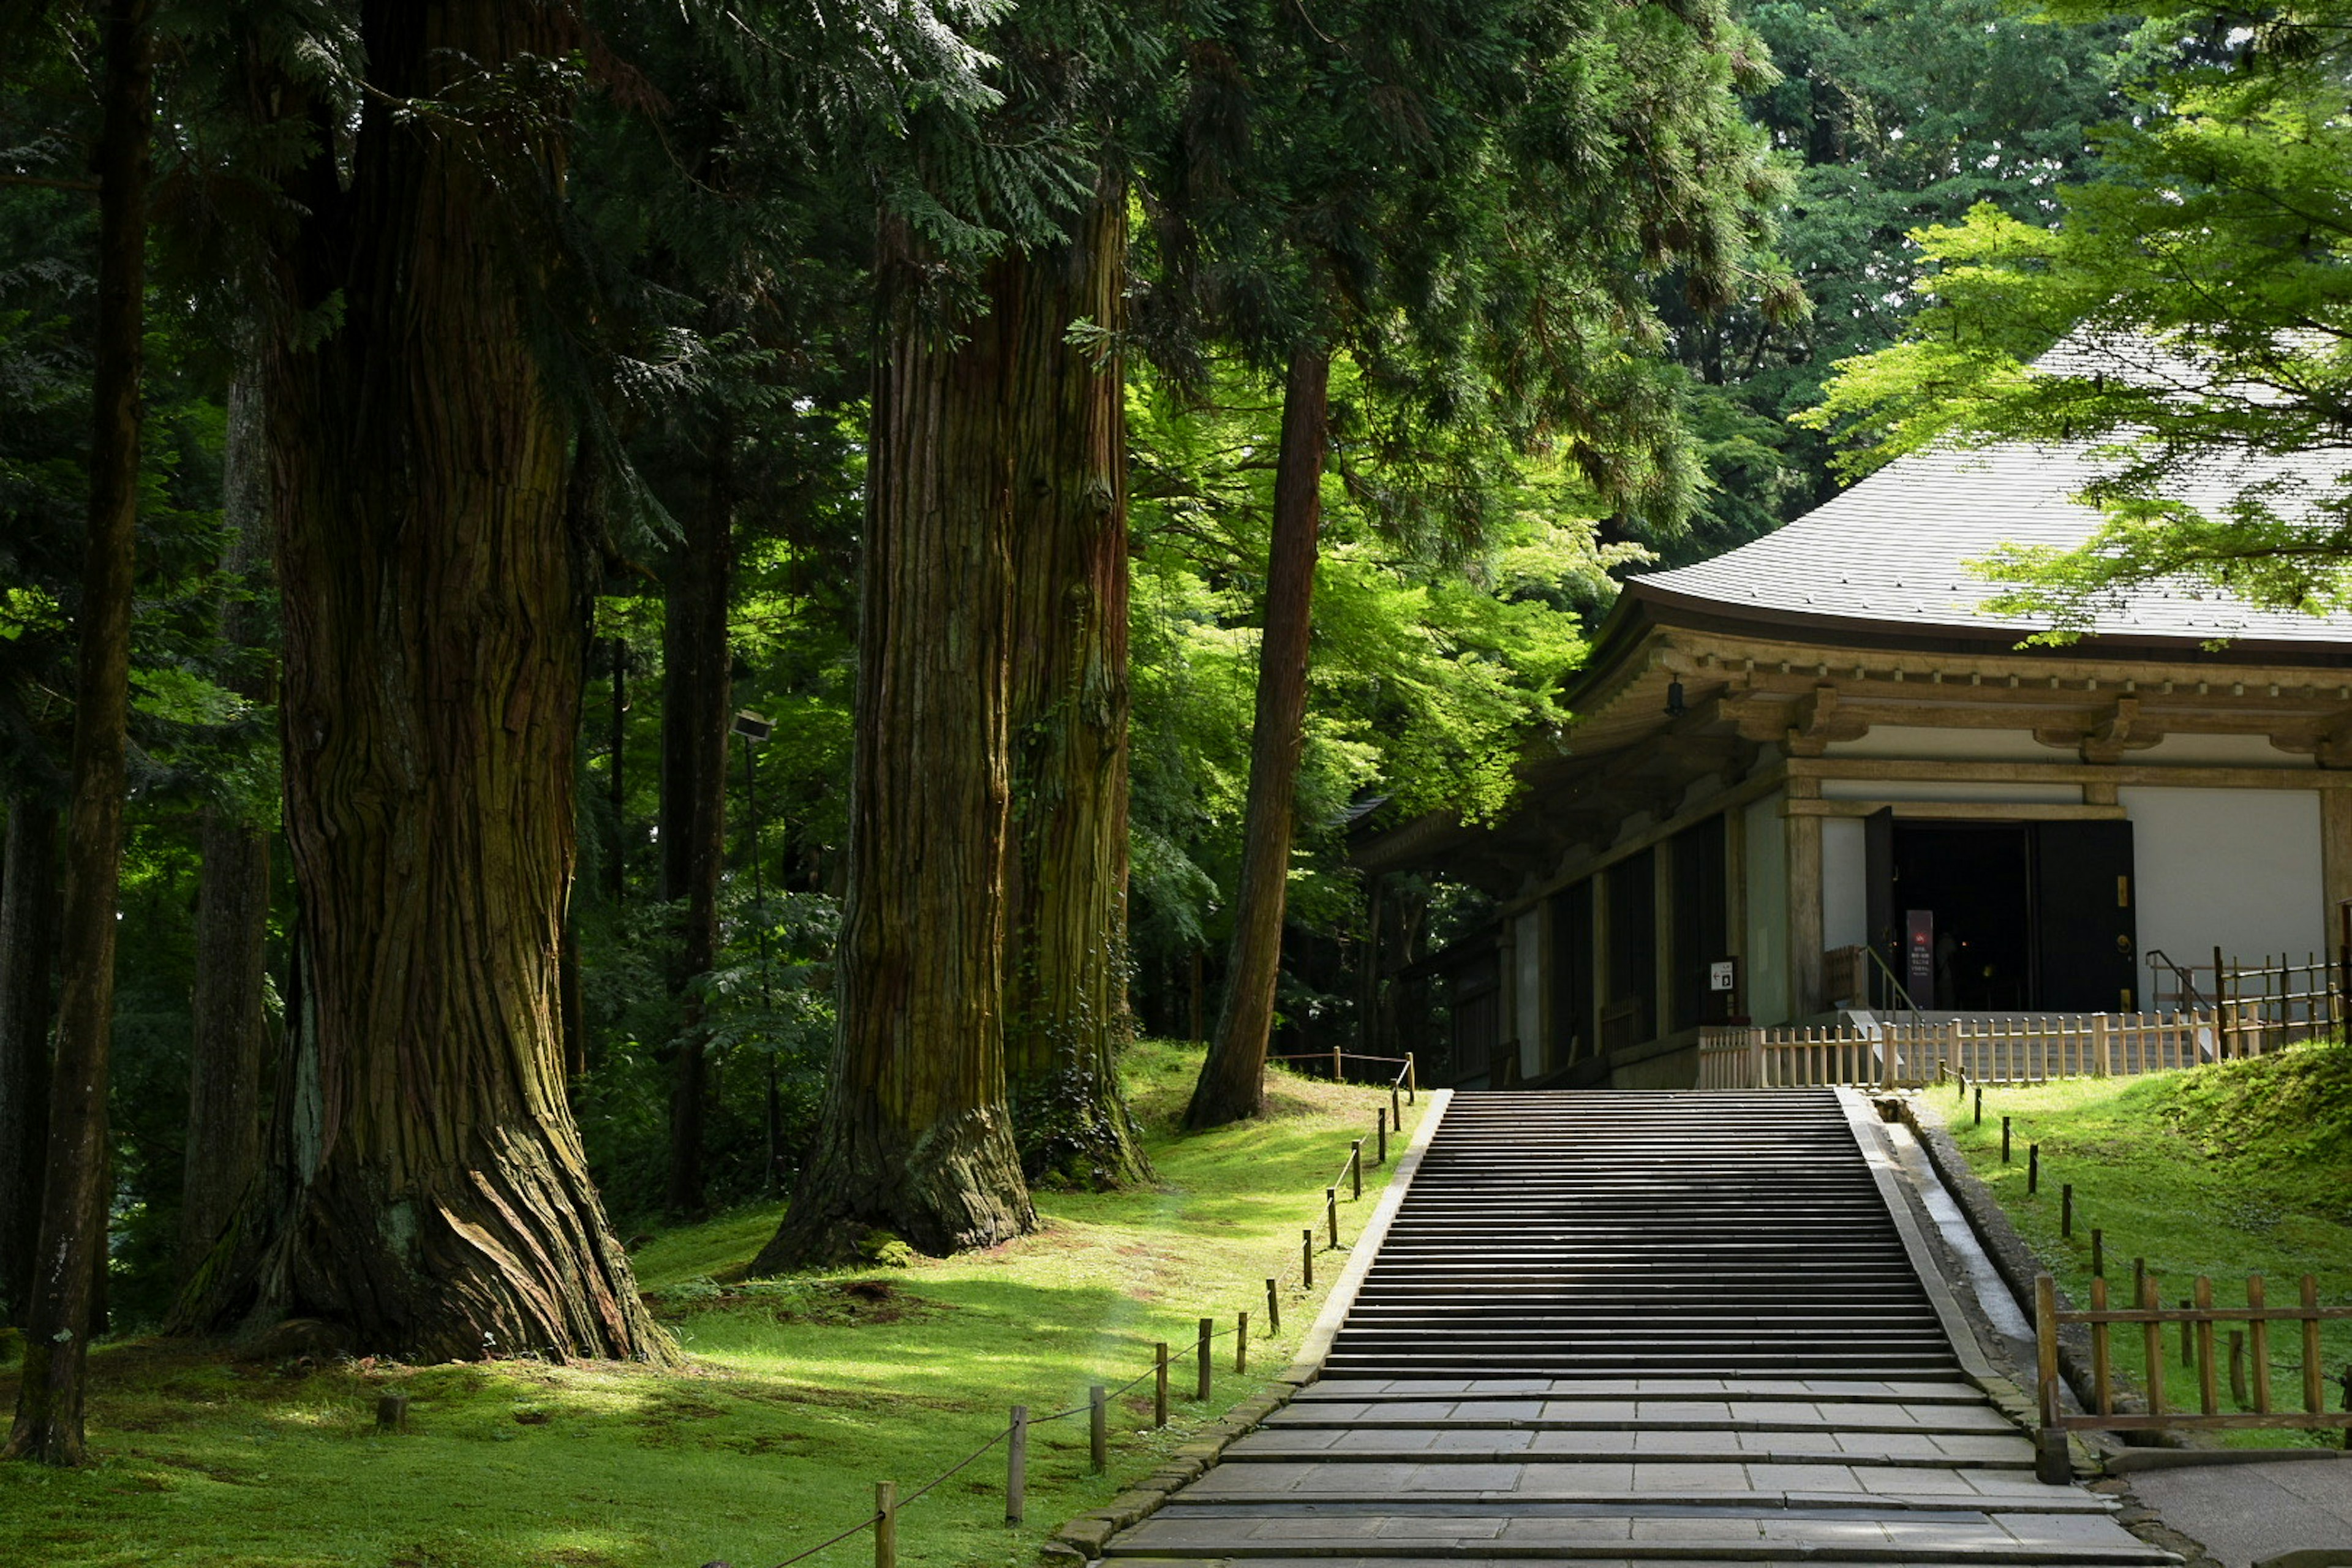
2201, 291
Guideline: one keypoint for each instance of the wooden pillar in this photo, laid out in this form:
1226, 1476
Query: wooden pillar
2335, 855
1662, 927
1735, 897
1803, 836
1598, 1002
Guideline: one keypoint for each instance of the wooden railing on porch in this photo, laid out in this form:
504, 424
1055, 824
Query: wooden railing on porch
2027, 1049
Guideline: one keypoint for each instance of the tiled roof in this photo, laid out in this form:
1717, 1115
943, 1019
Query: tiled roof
1896, 548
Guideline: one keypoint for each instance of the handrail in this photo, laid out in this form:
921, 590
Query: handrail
2195, 997
1895, 981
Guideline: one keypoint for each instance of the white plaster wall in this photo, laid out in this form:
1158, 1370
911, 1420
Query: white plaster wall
1765, 971
2220, 751
1527, 1004
2237, 869
1931, 789
1927, 741
1845, 883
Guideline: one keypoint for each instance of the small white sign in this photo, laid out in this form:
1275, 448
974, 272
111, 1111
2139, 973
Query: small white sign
1723, 975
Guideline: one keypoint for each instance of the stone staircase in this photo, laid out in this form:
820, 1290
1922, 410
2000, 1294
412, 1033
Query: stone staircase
1656, 1328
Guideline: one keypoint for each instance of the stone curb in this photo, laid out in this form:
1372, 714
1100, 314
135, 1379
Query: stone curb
1083, 1539
2016, 1263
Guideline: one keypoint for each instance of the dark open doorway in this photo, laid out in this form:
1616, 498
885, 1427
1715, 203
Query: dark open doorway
2029, 915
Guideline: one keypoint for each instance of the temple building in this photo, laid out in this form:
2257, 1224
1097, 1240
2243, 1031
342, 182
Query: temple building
1818, 766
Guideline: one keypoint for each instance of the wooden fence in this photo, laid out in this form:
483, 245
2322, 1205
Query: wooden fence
2249, 1360
2027, 1049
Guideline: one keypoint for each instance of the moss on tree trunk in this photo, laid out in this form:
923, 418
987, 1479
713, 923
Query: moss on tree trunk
1066, 984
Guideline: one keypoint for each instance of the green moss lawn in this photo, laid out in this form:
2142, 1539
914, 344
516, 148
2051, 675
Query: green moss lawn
801, 1393
2239, 1168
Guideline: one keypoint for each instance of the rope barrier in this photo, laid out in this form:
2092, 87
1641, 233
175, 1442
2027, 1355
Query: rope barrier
1280, 1277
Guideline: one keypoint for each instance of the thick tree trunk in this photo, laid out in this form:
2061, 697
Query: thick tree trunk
28, 946
697, 690
224, 1048
1066, 1008
1232, 1079
428, 1190
916, 1139
59, 1317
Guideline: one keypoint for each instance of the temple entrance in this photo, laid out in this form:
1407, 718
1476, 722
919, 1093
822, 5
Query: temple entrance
2024, 916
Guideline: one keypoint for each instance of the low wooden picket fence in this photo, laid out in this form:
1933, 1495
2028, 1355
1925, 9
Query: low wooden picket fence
1986, 1050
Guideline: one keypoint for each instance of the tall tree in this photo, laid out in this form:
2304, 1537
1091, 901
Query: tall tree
74, 1205
226, 1082
1066, 1004
1470, 203
915, 1138
428, 1190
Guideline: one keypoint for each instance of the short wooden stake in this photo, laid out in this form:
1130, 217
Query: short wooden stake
1098, 1428
2187, 1341
2004, 1140
1355, 1172
2208, 1394
391, 1412
1160, 1386
2259, 1333
1380, 1133
1306, 1259
2152, 1342
2033, 1169
1208, 1333
1273, 1307
1016, 1466
1241, 1343
1396, 1107
2098, 1253
1411, 1079
886, 1524
2066, 1209
2314, 1401
1980, 1099
1331, 1214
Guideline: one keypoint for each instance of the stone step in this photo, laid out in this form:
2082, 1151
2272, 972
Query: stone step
1625, 1482
1644, 1413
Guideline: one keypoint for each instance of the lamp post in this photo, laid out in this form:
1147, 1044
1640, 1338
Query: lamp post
755, 729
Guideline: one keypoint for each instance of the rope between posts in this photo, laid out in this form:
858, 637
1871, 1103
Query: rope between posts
1281, 1276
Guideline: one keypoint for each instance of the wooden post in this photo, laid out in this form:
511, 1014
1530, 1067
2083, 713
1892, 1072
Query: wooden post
1098, 1428
1241, 1343
2152, 1342
1356, 1171
1208, 1335
2050, 1443
886, 1523
1331, 1214
1979, 1097
2004, 1140
392, 1413
1380, 1131
2209, 1390
1396, 1107
1306, 1257
1159, 1384
2033, 1169
1016, 1466
1337, 1070
2259, 1331
1411, 1080
2101, 1063
2314, 1399
2221, 1009
2103, 1383
1273, 1307
2188, 1335
2066, 1209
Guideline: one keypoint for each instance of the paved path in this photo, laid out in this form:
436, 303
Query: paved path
1637, 1328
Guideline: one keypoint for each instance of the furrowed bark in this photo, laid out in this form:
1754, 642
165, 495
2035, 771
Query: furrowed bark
1232, 1079
60, 1310
226, 1037
697, 689
426, 1188
28, 944
914, 1138
1065, 982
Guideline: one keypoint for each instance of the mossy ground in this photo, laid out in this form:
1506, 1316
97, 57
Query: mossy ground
801, 1393
2224, 1171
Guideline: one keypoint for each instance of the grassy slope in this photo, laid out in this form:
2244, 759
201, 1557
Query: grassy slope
2244, 1167
801, 1393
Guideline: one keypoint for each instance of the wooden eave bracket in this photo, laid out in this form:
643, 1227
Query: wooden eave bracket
2104, 743
1815, 721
